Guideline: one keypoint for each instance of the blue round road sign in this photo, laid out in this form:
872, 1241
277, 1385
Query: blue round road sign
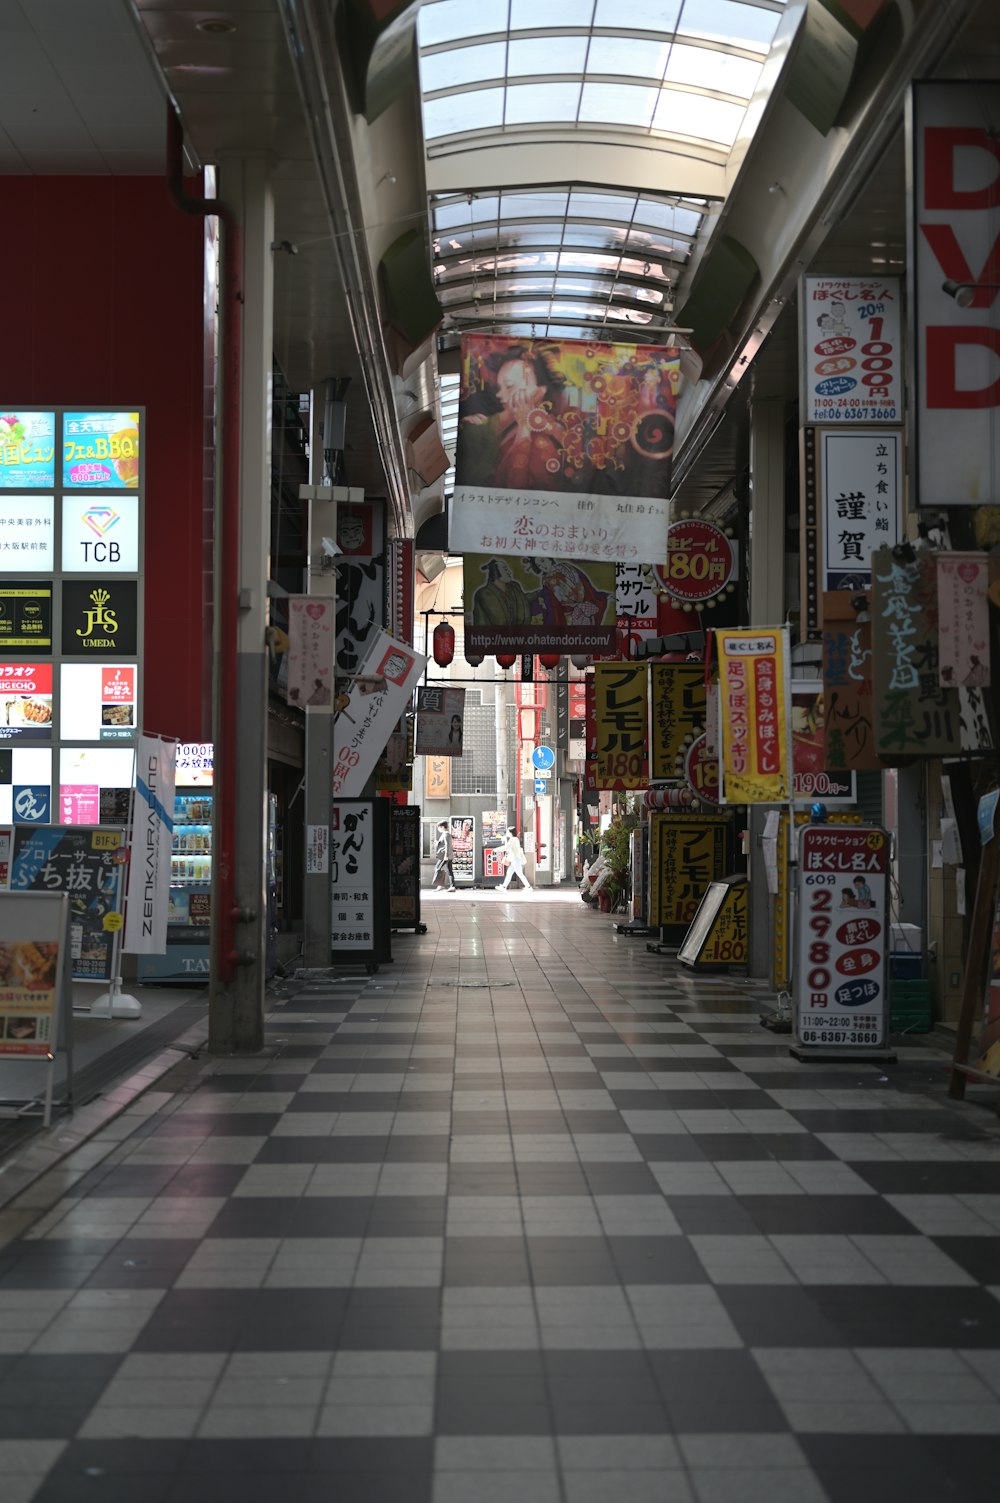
543, 756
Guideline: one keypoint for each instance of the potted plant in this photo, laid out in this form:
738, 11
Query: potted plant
616, 846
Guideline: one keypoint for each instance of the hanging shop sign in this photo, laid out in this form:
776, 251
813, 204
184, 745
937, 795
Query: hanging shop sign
100, 617
101, 451
841, 991
377, 699
676, 714
440, 721
538, 604
309, 660
26, 616
861, 501
717, 938
686, 853
852, 359
359, 905
848, 711
100, 534
620, 725
152, 839
754, 701
437, 777
400, 585
97, 701
27, 451
84, 865
25, 701
963, 620
698, 766
564, 449
360, 603
951, 148
636, 606
360, 527
590, 738
914, 716
701, 564
463, 848
811, 778
27, 532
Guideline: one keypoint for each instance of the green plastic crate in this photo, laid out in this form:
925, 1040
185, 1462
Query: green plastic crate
910, 1006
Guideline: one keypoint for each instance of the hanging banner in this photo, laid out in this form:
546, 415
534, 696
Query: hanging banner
538, 604
701, 564
377, 699
914, 716
812, 779
852, 358
963, 620
440, 721
848, 729
620, 725
148, 889
753, 678
686, 853
311, 638
636, 606
861, 503
360, 602
564, 447
841, 993
676, 714
437, 777
951, 148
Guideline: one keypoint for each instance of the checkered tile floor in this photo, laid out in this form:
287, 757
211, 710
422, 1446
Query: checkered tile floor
530, 1215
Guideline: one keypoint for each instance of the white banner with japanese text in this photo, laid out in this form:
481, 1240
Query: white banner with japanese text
861, 485
379, 694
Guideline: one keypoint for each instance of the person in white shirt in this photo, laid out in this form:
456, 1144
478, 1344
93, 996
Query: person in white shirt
515, 860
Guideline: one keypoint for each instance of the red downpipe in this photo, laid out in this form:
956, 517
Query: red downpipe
224, 856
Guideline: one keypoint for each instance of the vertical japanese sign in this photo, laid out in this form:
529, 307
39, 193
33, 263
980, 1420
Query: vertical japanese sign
848, 712
686, 853
861, 503
753, 680
311, 640
840, 985
952, 150
440, 721
620, 723
676, 715
377, 699
437, 777
963, 619
352, 875
152, 841
852, 364
399, 577
360, 601
404, 863
636, 602
577, 713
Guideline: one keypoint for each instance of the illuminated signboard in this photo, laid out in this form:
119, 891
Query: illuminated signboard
85, 772
97, 701
100, 618
27, 451
25, 616
100, 534
193, 768
26, 533
25, 701
100, 451
25, 785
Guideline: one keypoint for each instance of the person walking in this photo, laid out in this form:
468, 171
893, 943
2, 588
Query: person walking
515, 860
442, 853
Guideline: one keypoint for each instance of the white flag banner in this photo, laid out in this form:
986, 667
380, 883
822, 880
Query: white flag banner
152, 837
380, 692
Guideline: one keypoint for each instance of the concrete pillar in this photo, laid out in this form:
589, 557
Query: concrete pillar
236, 1010
319, 724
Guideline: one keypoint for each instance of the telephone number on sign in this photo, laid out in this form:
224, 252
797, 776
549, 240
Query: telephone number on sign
838, 1036
864, 414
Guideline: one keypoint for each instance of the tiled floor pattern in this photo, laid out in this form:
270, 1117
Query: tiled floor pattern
531, 1215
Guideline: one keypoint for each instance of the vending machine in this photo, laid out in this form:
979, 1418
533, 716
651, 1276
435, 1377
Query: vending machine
189, 906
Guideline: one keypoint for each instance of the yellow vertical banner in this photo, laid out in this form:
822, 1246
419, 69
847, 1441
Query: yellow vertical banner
754, 699
620, 716
676, 714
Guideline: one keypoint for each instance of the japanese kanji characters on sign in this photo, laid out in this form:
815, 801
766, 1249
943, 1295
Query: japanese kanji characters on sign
852, 363
620, 723
311, 641
848, 731
754, 702
352, 875
963, 620
27, 450
676, 714
686, 853
861, 503
564, 449
378, 697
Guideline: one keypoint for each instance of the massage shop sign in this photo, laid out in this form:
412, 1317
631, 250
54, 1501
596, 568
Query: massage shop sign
756, 724
841, 993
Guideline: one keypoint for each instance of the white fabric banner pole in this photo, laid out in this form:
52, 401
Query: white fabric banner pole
152, 836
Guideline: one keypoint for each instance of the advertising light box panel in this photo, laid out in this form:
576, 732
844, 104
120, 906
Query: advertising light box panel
25, 785
97, 701
27, 451
87, 772
100, 451
100, 618
25, 616
25, 701
100, 535
27, 534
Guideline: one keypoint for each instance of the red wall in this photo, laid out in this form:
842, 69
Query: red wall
103, 304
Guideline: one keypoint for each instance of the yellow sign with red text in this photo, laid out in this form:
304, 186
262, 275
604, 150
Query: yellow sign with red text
754, 702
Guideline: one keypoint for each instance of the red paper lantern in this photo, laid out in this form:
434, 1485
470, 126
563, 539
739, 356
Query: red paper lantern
506, 659
444, 644
549, 659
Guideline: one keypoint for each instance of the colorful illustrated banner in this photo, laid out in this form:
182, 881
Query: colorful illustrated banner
852, 358
463, 848
841, 950
676, 715
27, 451
85, 865
152, 839
862, 498
538, 604
376, 701
28, 997
494, 822
687, 852
811, 777
753, 679
26, 616
440, 721
620, 725
914, 715
564, 447
312, 628
963, 620
25, 701
100, 450
848, 712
